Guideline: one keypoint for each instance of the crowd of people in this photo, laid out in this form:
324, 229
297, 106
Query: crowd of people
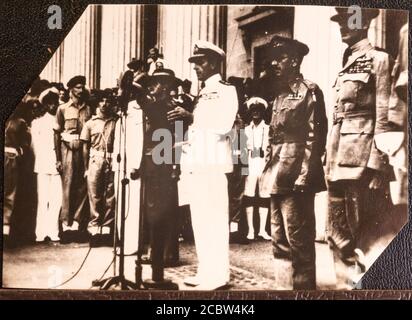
239, 146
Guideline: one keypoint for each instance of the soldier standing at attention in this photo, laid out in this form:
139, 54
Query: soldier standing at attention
98, 137
70, 119
357, 172
294, 172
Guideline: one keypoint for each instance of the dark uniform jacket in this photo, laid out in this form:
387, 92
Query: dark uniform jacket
297, 140
361, 111
156, 113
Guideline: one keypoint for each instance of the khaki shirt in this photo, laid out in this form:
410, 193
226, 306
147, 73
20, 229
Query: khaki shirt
361, 111
70, 118
297, 137
100, 133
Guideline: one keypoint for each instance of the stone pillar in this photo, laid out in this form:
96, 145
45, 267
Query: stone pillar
122, 40
81, 54
53, 69
180, 27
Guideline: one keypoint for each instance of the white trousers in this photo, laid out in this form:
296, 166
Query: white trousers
131, 229
208, 199
49, 192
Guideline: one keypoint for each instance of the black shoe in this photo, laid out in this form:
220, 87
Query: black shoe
107, 240
81, 236
67, 237
101, 240
164, 284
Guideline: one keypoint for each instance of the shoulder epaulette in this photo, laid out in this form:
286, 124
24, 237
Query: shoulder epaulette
225, 83
309, 84
381, 50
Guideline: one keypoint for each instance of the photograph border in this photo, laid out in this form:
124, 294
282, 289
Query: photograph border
393, 269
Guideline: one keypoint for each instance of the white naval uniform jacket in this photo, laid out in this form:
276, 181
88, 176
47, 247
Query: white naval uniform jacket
209, 147
257, 137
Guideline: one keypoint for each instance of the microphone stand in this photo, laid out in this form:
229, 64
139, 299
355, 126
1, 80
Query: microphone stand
140, 244
120, 280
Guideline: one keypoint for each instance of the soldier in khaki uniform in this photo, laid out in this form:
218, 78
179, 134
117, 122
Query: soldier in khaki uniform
394, 141
294, 172
70, 119
98, 137
357, 172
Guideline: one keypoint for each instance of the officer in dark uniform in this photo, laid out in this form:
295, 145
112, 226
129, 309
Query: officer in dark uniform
98, 137
357, 172
294, 172
160, 175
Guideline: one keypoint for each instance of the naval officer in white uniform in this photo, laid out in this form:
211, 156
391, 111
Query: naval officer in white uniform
205, 160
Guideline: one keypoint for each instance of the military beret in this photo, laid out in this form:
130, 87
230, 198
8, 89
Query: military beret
75, 81
204, 49
343, 14
256, 101
288, 45
47, 92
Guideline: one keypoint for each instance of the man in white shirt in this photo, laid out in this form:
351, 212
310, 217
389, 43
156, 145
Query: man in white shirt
49, 185
205, 161
155, 61
257, 133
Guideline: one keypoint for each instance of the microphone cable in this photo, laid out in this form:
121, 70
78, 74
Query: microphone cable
76, 273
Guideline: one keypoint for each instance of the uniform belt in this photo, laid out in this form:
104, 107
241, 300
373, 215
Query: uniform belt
69, 137
101, 154
339, 116
12, 150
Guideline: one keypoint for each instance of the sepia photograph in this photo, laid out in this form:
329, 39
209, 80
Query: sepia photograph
209, 147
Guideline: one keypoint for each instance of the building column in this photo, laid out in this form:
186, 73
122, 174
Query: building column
79, 52
52, 71
122, 40
181, 26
